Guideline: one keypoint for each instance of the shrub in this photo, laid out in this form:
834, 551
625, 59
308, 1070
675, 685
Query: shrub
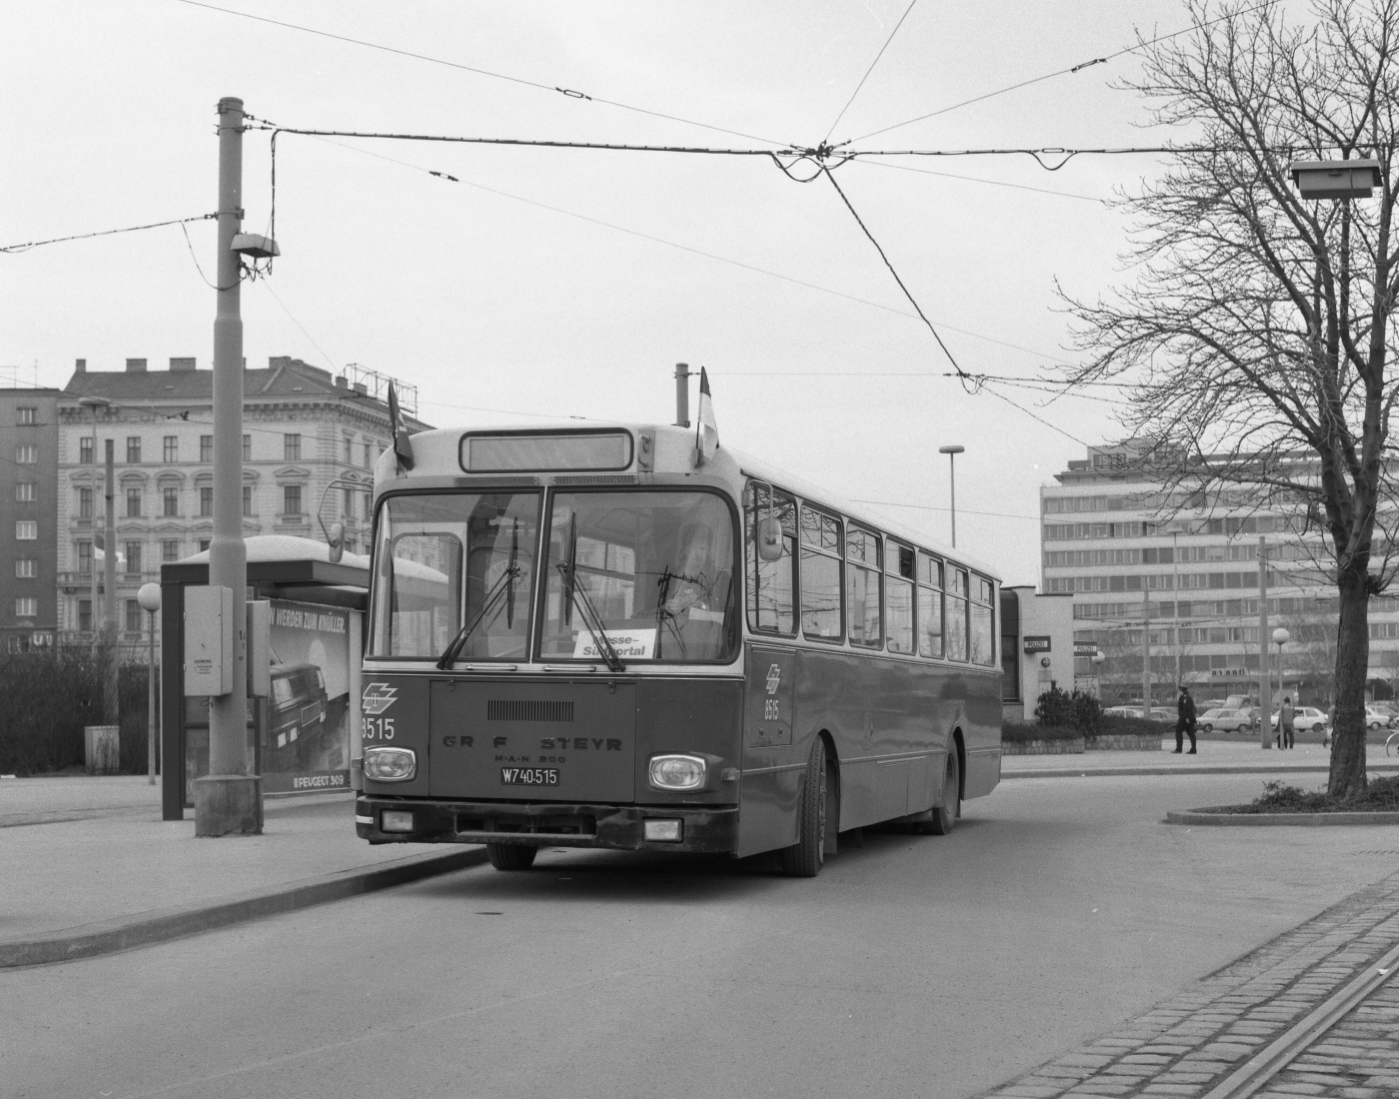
1079, 710
1017, 732
1117, 725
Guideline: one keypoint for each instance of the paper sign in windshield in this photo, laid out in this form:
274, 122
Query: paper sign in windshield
629, 644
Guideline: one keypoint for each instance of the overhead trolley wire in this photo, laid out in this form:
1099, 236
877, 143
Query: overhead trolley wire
105, 233
570, 93
873, 63
1082, 65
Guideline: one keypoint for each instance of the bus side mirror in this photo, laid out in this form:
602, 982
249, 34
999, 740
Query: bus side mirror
769, 539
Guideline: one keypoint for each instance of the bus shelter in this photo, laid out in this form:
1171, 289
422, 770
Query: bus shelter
303, 737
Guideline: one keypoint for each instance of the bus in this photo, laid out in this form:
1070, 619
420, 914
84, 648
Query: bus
597, 638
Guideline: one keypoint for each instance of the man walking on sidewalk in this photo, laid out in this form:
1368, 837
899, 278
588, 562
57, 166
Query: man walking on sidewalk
1286, 716
1185, 719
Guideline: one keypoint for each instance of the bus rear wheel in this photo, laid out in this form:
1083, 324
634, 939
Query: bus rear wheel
805, 857
945, 815
511, 856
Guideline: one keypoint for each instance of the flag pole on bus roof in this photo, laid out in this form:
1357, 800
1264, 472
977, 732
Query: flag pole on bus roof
706, 430
402, 448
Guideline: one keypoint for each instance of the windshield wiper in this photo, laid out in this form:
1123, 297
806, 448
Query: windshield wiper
575, 592
493, 597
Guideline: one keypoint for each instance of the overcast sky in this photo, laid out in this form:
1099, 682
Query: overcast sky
550, 283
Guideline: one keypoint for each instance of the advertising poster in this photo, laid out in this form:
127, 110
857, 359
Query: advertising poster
302, 730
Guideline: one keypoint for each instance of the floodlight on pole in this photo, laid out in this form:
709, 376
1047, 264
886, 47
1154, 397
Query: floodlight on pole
952, 450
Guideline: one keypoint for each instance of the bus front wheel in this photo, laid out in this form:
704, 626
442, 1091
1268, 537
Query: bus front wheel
805, 857
945, 815
511, 856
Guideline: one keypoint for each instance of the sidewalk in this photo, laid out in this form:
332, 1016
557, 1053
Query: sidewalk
91, 866
1213, 757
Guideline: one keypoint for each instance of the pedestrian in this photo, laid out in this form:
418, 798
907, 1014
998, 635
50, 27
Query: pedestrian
1286, 715
1185, 719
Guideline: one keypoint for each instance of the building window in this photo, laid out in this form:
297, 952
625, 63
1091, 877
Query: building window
368, 506
171, 502
26, 454
27, 530
248, 500
203, 544
84, 615
26, 417
26, 568
368, 454
291, 448
133, 559
171, 449
349, 451
206, 448
133, 450
26, 607
85, 451
84, 503
26, 492
349, 503
133, 503
291, 500
169, 550
206, 501
133, 616
84, 558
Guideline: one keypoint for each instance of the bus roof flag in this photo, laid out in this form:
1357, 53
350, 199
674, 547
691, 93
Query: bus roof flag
706, 430
402, 448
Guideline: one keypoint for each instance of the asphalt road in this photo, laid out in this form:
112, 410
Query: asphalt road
912, 966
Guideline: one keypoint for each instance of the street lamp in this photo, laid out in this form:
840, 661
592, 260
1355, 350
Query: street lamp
149, 598
1343, 179
93, 403
1098, 658
952, 450
1280, 638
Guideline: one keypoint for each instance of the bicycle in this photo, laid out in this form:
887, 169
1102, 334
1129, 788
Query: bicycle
1391, 741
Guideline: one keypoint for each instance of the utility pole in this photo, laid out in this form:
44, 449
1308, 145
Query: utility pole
110, 716
229, 798
1265, 702
1175, 588
1146, 653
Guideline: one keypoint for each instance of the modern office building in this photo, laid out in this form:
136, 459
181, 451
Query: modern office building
1175, 580
309, 443
28, 518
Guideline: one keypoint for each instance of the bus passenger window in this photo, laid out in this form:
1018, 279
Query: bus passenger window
820, 576
862, 571
898, 594
982, 651
957, 614
930, 636
771, 584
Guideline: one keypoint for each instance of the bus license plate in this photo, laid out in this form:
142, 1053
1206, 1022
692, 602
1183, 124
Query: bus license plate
529, 776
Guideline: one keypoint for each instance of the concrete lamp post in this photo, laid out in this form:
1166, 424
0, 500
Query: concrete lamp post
149, 598
1280, 638
952, 450
1099, 658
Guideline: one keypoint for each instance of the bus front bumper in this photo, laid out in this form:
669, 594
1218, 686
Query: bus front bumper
621, 827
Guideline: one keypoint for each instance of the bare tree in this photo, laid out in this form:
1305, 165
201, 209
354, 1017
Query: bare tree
1255, 326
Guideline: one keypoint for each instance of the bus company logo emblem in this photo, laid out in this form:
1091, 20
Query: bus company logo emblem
774, 678
378, 697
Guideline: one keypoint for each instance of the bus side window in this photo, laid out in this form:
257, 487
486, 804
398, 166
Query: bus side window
982, 634
930, 633
956, 614
865, 584
822, 617
771, 584
898, 596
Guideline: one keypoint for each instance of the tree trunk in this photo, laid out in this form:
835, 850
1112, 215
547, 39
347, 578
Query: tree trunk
1352, 664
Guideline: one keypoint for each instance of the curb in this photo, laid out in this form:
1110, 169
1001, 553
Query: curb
125, 932
1263, 820
1248, 769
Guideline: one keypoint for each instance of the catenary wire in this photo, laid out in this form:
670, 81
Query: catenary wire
869, 70
569, 93
974, 179
106, 233
1060, 72
960, 511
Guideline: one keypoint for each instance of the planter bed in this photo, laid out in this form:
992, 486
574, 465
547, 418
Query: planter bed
1057, 746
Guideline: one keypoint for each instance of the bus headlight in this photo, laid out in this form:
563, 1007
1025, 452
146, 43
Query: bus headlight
678, 772
390, 764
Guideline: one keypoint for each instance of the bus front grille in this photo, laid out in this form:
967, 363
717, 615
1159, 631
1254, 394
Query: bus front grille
560, 824
528, 709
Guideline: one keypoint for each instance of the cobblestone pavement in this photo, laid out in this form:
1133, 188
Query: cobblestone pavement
1191, 1042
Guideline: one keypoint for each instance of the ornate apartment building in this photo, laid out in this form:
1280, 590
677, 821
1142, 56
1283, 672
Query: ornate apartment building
309, 443
1176, 581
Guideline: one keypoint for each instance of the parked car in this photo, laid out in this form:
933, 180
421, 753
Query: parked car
1163, 713
1305, 719
1379, 715
1124, 711
1227, 719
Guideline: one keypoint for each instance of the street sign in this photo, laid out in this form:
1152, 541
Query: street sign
1037, 644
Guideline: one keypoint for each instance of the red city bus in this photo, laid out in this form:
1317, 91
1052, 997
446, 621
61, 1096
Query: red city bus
581, 638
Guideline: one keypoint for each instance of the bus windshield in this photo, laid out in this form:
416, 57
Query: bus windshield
653, 571
455, 571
